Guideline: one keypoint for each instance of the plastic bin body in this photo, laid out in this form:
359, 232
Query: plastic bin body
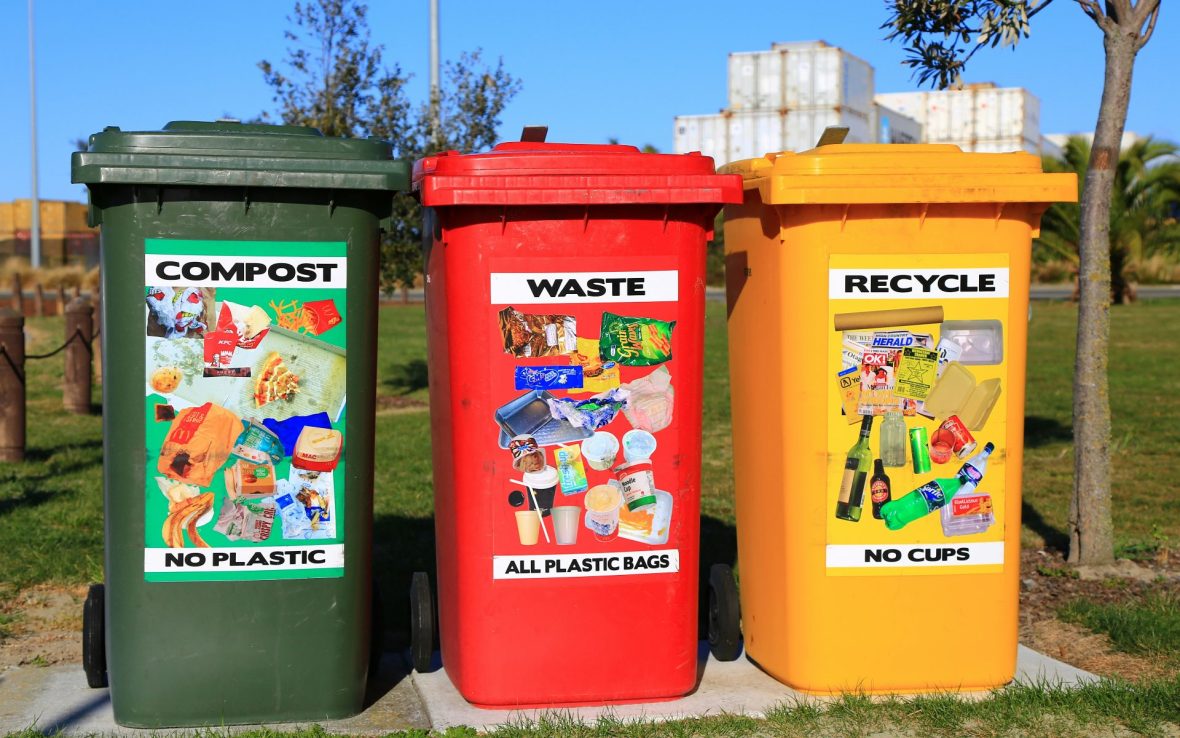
237, 644
830, 605
517, 626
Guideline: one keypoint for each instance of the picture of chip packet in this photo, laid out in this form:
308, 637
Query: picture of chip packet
635, 341
597, 375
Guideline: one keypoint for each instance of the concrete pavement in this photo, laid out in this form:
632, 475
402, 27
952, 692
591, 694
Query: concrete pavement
56, 699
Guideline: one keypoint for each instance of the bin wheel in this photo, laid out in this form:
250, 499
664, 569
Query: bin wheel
376, 631
94, 640
421, 622
725, 629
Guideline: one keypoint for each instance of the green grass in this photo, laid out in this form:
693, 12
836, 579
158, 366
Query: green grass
1147, 627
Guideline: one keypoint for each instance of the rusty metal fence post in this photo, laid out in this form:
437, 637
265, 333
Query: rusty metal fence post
79, 356
12, 386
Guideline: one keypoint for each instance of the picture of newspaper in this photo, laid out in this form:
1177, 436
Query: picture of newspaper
315, 370
879, 364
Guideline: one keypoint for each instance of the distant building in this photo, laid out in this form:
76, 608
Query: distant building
65, 236
783, 98
1059, 139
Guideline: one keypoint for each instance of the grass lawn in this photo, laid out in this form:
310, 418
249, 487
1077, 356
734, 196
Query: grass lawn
51, 505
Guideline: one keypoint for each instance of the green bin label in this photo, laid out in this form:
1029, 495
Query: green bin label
244, 410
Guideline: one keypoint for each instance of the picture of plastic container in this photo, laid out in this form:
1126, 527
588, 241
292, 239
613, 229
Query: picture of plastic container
638, 482
600, 450
602, 511
638, 444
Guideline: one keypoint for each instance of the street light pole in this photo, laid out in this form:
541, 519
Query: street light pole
35, 225
435, 99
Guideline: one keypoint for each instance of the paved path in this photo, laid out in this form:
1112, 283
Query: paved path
56, 698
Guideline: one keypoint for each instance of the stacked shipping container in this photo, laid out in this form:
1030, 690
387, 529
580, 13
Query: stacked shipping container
979, 117
782, 100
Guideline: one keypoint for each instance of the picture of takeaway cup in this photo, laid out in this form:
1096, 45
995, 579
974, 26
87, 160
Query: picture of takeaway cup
544, 486
602, 511
528, 527
638, 483
600, 450
527, 456
565, 524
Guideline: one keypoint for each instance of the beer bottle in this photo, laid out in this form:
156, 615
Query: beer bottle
856, 473
879, 490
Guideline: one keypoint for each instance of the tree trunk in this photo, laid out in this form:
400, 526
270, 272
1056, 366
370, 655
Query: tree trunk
1091, 536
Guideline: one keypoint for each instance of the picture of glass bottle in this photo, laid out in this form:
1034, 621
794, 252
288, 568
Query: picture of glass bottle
893, 439
856, 474
879, 488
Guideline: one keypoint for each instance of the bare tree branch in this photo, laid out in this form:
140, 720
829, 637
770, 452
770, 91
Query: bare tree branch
1040, 7
1098, 15
1122, 7
1152, 17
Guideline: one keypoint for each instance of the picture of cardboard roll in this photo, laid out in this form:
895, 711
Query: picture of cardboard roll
888, 318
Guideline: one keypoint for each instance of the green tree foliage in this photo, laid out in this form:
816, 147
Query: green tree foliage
1145, 201
335, 79
940, 37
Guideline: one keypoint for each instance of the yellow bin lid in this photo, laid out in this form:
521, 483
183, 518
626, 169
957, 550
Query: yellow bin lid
862, 174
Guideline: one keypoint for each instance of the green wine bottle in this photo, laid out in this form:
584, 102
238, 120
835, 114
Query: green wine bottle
856, 473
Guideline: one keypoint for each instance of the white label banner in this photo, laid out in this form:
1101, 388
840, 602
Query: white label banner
328, 272
255, 558
555, 566
884, 555
909, 284
538, 288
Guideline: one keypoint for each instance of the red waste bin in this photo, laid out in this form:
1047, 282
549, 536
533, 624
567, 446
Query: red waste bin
565, 299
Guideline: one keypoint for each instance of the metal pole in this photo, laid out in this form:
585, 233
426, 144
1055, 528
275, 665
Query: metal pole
435, 98
35, 225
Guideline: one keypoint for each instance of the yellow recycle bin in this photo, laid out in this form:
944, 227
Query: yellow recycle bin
878, 320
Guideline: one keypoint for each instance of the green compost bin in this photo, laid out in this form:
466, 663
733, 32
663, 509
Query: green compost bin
239, 319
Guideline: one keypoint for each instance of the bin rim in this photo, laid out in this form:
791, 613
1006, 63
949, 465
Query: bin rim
858, 174
536, 173
229, 153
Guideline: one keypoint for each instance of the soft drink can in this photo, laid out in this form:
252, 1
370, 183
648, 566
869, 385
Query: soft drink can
962, 442
918, 450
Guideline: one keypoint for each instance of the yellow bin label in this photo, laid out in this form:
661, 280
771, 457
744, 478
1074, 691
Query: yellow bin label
917, 413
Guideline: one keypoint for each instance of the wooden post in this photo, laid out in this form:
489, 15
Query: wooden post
39, 300
18, 295
12, 386
77, 290
78, 375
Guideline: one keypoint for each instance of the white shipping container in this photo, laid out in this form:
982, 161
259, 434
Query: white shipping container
799, 75
890, 126
754, 134
704, 133
981, 113
999, 145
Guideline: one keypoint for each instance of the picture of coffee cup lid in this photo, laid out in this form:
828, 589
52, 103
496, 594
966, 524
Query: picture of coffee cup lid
526, 452
516, 498
543, 479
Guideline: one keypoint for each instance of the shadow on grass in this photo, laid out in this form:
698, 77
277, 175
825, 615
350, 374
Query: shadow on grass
1054, 538
403, 545
1040, 431
408, 376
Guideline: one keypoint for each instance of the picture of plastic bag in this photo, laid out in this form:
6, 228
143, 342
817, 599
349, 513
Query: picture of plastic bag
592, 413
649, 406
635, 341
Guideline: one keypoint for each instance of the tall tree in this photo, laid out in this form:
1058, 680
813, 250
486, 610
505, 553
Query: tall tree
335, 79
941, 36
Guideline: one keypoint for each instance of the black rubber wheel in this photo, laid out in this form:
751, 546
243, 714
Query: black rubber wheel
94, 638
421, 622
725, 621
376, 631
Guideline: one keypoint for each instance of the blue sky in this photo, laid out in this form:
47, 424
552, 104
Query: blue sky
590, 70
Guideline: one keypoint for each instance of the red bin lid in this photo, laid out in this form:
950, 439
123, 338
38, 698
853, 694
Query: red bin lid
532, 173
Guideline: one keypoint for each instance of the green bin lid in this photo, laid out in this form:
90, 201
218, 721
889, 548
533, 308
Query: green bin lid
232, 154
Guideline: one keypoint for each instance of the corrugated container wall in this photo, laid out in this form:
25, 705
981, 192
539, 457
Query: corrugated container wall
707, 134
745, 135
980, 114
799, 75
890, 126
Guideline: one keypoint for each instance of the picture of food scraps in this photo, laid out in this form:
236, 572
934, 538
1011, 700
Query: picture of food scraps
289, 374
316, 317
188, 509
306, 505
528, 336
529, 415
179, 312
